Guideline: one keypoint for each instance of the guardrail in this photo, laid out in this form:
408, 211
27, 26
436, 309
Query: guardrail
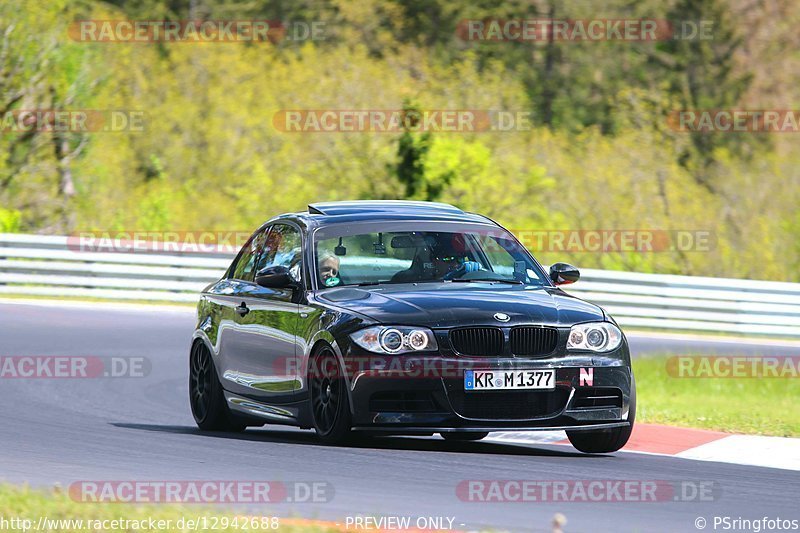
48, 266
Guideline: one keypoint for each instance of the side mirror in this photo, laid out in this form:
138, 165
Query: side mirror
275, 277
564, 274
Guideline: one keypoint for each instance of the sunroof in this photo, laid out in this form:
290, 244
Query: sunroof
361, 206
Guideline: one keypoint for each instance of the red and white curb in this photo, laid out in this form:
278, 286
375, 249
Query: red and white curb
697, 444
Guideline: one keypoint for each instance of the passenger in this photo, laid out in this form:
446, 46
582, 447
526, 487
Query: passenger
329, 269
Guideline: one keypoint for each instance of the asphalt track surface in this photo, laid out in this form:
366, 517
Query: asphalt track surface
64, 430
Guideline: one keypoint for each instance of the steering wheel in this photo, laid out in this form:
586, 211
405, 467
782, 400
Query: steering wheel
465, 268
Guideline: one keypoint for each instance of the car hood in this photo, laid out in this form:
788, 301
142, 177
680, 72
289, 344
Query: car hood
454, 304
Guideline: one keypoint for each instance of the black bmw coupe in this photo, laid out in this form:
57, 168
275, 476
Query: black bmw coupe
410, 318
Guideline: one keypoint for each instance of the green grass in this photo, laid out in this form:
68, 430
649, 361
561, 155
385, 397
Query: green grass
26, 503
760, 406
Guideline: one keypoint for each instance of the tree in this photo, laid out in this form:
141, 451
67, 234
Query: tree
702, 74
411, 151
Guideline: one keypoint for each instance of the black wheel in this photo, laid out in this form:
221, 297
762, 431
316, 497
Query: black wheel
464, 435
209, 408
329, 406
605, 440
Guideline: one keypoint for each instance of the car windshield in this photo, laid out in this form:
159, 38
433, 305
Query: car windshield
367, 254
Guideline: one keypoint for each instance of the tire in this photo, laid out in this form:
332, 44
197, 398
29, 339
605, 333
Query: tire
463, 436
330, 408
606, 440
209, 408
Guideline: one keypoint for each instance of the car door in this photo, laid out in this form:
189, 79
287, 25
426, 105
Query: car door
224, 297
265, 335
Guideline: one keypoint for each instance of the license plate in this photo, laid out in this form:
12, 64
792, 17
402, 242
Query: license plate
509, 380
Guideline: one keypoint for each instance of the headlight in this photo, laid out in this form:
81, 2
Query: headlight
594, 337
395, 339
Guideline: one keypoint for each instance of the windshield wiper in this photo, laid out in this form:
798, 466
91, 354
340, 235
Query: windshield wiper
488, 280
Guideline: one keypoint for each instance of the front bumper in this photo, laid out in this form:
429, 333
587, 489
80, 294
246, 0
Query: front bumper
426, 394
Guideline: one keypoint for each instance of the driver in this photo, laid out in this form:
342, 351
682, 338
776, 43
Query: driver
451, 259
444, 265
329, 270
452, 267
444, 258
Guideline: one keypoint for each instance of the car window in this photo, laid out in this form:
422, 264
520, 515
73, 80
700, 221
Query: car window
364, 258
283, 247
244, 267
267, 254
503, 257
421, 255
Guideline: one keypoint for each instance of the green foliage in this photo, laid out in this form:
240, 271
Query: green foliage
10, 220
412, 149
702, 74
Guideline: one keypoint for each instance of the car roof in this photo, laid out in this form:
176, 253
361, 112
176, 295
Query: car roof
324, 213
383, 206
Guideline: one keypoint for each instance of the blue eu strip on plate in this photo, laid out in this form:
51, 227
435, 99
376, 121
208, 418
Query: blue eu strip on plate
469, 380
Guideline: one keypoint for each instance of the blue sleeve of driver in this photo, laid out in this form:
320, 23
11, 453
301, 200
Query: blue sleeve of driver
471, 266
